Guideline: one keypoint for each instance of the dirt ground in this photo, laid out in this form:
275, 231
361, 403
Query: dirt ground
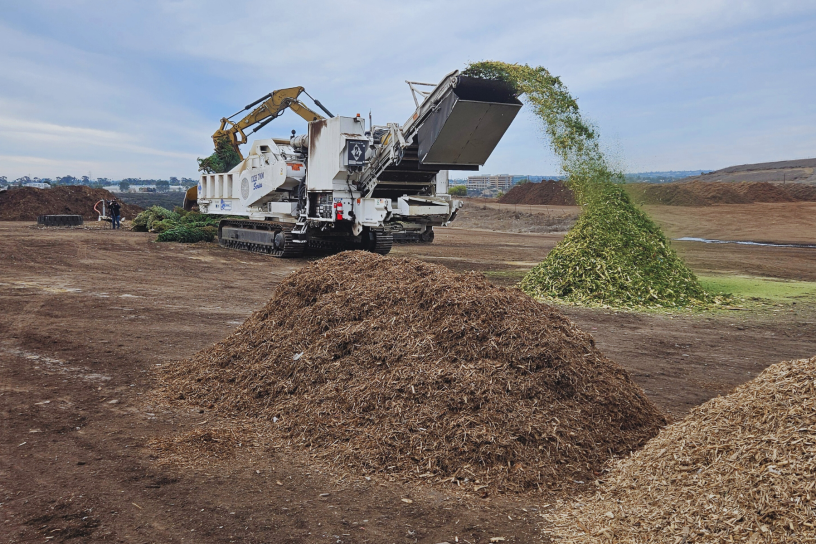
787, 222
488, 214
88, 314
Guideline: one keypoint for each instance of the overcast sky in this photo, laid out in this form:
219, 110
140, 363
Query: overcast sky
122, 89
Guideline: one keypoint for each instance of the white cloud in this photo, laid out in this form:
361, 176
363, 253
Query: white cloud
136, 88
60, 137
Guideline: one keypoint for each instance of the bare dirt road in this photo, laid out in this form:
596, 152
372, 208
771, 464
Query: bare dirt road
87, 315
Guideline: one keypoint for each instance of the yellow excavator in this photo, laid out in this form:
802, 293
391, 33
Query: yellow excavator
271, 107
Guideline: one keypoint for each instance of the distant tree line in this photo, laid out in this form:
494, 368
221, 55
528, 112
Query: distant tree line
162, 185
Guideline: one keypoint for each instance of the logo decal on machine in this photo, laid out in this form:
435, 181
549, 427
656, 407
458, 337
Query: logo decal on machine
256, 181
356, 152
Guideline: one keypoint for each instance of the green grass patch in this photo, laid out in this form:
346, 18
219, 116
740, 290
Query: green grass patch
753, 289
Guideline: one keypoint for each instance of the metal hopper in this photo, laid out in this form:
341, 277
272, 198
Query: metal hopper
466, 124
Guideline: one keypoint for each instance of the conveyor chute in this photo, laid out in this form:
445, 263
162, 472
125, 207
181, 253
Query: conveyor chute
467, 124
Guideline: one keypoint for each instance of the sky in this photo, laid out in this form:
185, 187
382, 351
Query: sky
135, 89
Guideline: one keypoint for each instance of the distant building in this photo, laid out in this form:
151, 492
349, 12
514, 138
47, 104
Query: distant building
37, 185
144, 188
477, 185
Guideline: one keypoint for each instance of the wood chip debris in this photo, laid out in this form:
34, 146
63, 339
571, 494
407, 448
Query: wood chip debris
411, 370
739, 468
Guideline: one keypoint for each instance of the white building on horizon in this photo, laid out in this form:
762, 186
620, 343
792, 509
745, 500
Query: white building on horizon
487, 182
37, 185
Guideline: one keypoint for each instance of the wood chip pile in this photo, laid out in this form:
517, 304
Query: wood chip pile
740, 468
399, 367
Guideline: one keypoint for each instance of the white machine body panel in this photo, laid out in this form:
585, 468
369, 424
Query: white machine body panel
328, 139
371, 212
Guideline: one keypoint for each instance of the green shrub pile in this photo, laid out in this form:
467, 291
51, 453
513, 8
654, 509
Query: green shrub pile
224, 158
187, 234
146, 220
178, 225
614, 255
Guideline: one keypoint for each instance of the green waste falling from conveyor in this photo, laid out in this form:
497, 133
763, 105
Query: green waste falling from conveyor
614, 255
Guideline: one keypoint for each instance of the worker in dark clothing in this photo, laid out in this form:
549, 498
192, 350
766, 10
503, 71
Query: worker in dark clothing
115, 211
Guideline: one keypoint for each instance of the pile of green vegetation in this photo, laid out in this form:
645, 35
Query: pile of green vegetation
178, 225
223, 159
614, 255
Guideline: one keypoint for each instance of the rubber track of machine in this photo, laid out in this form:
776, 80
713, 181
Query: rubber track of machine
427, 237
290, 248
383, 243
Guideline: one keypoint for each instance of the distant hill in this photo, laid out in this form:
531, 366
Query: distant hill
701, 193
797, 171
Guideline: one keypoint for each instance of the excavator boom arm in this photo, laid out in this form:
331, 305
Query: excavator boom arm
271, 106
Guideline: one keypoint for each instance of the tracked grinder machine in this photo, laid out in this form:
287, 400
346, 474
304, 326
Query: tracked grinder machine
345, 186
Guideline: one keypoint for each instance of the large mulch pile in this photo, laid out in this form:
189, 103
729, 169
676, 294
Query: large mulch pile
549, 192
739, 468
26, 203
400, 367
701, 193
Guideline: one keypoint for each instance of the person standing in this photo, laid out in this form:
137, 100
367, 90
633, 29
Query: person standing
115, 211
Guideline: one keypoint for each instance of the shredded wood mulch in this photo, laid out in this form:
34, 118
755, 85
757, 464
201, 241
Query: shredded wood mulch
206, 446
399, 367
739, 468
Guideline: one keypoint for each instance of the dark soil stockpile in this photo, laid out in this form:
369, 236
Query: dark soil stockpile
739, 468
551, 192
702, 193
26, 203
396, 366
